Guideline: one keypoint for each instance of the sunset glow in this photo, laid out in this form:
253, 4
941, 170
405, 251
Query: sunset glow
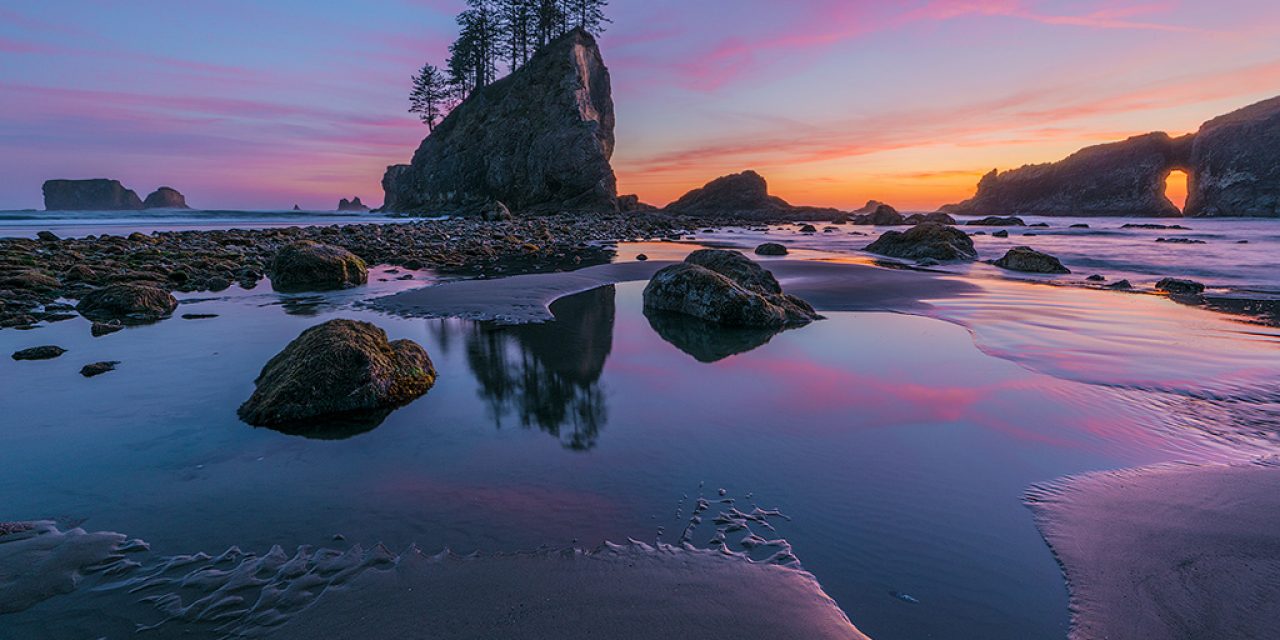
835, 102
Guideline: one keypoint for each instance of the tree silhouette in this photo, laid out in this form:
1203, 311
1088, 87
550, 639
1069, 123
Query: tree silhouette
587, 14
490, 31
430, 95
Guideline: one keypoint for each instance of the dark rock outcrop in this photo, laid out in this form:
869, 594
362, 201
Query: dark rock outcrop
725, 288
165, 198
870, 206
937, 216
631, 203
1029, 260
310, 266
925, 241
353, 204
539, 139
997, 221
1179, 286
338, 369
97, 194
771, 249
45, 352
743, 196
1116, 179
882, 215
127, 303
1235, 164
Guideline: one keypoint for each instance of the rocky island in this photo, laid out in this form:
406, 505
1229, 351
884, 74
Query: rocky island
538, 140
101, 194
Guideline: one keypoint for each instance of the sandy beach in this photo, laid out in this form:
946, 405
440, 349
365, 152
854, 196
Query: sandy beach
1182, 552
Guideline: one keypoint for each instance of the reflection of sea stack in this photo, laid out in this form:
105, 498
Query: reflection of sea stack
539, 139
547, 375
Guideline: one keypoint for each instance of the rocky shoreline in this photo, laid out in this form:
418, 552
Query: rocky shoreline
36, 273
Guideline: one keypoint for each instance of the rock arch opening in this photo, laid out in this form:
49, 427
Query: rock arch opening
1175, 188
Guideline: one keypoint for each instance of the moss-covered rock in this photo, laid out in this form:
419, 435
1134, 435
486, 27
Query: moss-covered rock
308, 265
335, 370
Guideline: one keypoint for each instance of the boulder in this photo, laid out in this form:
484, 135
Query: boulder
771, 249
353, 204
939, 217
928, 240
539, 139
631, 203
127, 303
743, 196
97, 194
496, 212
1116, 179
337, 369
1031, 261
725, 288
883, 215
45, 352
1235, 164
312, 266
1178, 286
165, 198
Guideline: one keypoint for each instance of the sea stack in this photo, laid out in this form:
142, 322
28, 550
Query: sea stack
537, 140
353, 204
165, 198
98, 194
743, 195
1116, 179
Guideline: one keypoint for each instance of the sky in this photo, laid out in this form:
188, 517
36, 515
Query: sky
263, 105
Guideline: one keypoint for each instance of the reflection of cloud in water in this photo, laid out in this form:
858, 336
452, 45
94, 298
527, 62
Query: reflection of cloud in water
545, 375
705, 341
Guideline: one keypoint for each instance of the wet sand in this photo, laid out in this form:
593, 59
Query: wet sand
624, 592
1172, 552
632, 590
828, 286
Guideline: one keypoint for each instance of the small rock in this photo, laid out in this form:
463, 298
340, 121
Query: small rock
47, 236
771, 249
1000, 234
98, 368
641, 257
1119, 284
103, 328
808, 228
1095, 278
1178, 286
45, 352
1029, 260
997, 221
198, 316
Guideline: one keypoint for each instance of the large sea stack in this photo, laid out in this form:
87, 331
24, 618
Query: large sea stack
1232, 165
1116, 179
1235, 164
98, 194
539, 139
165, 198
